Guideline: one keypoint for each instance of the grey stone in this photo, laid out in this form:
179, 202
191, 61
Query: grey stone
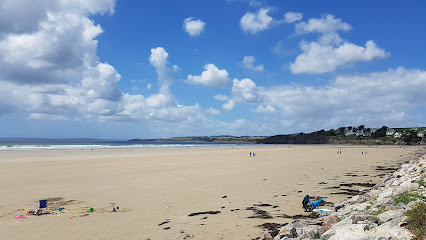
389, 215
365, 217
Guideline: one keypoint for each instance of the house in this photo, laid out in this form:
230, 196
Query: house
421, 134
349, 132
359, 133
397, 135
390, 132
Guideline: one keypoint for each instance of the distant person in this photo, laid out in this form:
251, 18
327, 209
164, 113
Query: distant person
254, 154
250, 154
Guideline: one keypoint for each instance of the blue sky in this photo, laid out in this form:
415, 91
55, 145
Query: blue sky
146, 69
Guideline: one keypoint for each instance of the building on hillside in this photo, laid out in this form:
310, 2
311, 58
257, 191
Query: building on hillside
390, 132
349, 132
359, 133
397, 135
421, 134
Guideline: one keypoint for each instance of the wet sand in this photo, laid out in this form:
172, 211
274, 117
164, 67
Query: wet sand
180, 193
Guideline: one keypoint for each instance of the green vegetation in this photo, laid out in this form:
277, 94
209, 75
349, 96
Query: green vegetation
408, 197
342, 135
380, 210
421, 182
416, 220
350, 135
381, 132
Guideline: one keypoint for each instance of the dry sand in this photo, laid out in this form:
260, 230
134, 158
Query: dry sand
157, 189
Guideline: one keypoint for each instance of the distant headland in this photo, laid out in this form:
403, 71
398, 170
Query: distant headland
343, 135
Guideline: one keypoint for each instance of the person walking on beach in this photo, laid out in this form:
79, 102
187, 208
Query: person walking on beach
250, 154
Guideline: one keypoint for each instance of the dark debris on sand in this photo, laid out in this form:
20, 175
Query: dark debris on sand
200, 213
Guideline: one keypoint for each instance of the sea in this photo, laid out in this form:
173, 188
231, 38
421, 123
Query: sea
26, 144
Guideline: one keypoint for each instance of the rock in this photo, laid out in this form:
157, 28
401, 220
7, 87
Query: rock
365, 218
406, 186
389, 215
391, 230
348, 232
384, 194
266, 236
329, 222
293, 233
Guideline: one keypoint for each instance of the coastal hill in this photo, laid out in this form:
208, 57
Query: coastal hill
342, 135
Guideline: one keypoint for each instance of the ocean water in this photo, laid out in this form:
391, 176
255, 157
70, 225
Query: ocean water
24, 144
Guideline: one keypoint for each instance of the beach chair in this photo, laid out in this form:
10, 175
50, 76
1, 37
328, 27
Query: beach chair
42, 204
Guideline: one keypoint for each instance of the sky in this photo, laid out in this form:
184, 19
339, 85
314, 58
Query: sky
122, 69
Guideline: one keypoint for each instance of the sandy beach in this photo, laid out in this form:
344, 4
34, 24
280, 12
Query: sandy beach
179, 193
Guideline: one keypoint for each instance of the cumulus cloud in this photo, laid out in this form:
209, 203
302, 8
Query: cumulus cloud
373, 98
158, 59
329, 51
290, 17
212, 77
229, 105
256, 22
248, 62
267, 109
326, 24
318, 58
245, 90
194, 27
213, 111
221, 97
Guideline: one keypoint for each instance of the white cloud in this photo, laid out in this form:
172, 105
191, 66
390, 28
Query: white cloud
326, 24
245, 91
256, 22
329, 51
267, 109
373, 99
212, 77
221, 97
229, 105
176, 68
194, 27
317, 58
290, 17
158, 59
248, 62
213, 111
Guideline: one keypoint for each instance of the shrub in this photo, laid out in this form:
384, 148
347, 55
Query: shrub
416, 220
407, 197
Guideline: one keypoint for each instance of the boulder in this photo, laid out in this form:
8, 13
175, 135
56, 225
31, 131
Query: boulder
266, 236
365, 218
384, 194
347, 232
329, 222
406, 186
389, 215
390, 229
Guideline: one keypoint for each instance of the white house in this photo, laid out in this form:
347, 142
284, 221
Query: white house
390, 132
421, 134
397, 135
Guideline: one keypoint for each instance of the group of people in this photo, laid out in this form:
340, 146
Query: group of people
254, 154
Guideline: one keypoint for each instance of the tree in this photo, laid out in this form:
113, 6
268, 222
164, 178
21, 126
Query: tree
381, 132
